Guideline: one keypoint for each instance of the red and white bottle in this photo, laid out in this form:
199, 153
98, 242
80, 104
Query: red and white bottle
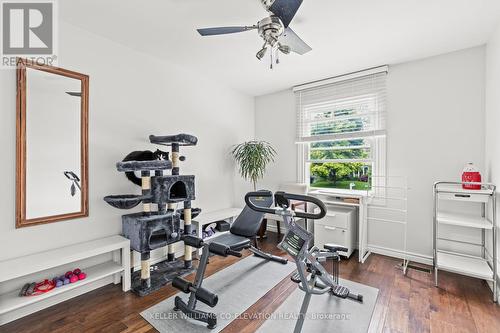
471, 174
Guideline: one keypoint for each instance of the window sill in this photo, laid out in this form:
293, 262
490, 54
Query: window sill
338, 191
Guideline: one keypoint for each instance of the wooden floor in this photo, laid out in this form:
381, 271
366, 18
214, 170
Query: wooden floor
405, 304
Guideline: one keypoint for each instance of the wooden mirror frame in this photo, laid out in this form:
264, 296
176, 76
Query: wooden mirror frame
21, 220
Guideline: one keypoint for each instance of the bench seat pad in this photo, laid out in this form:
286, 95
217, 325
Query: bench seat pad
235, 242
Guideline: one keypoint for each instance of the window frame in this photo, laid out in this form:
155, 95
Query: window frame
378, 161
376, 133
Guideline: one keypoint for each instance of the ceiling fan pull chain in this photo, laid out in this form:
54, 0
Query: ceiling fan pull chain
273, 55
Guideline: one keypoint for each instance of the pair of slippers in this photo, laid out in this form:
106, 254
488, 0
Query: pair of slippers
33, 289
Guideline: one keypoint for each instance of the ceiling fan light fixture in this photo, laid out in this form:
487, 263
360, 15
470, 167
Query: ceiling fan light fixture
274, 30
261, 53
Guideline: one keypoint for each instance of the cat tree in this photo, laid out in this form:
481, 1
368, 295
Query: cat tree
149, 230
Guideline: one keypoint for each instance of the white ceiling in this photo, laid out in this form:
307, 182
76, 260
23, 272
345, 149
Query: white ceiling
346, 35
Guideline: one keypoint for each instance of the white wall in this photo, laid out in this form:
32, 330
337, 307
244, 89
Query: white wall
275, 122
435, 125
132, 95
492, 160
492, 156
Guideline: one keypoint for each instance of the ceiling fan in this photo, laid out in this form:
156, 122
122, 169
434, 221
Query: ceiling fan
274, 29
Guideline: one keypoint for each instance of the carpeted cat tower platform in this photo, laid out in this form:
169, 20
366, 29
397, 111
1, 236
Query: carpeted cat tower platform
149, 230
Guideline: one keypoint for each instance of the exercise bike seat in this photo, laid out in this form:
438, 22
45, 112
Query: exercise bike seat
234, 242
334, 248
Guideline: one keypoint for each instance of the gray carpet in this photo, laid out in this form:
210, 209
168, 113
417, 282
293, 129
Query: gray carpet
239, 286
326, 313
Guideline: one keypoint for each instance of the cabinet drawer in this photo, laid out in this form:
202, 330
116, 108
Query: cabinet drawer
464, 197
334, 219
324, 234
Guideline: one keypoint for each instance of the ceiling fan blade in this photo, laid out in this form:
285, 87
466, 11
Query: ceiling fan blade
224, 30
285, 10
296, 44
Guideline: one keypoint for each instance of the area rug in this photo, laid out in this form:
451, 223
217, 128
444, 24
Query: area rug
326, 313
238, 286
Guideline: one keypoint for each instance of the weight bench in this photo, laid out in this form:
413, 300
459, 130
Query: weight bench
241, 234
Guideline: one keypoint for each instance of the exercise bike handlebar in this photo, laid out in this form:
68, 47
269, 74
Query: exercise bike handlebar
279, 196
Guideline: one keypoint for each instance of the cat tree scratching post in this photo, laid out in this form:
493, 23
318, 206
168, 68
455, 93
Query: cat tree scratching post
146, 208
149, 230
175, 172
170, 247
188, 251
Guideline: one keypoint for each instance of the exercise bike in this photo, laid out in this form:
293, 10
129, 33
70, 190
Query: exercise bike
312, 277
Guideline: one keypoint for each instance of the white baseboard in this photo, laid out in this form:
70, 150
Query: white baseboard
411, 256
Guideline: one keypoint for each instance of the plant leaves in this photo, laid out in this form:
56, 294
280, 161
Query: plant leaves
252, 158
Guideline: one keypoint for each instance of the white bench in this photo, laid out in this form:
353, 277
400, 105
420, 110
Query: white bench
12, 306
227, 214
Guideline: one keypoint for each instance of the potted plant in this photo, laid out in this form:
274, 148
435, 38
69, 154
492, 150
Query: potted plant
252, 158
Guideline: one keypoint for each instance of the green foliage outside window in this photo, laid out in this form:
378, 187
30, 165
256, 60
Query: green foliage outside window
346, 175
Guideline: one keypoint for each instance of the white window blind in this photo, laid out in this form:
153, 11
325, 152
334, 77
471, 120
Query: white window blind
341, 127
350, 109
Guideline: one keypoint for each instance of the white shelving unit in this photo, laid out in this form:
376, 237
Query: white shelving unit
11, 301
117, 270
484, 266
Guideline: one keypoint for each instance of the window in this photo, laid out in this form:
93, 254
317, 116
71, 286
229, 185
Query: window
341, 131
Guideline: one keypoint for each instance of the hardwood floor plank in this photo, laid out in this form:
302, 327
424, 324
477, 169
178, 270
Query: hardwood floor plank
397, 318
379, 315
135, 323
420, 305
405, 303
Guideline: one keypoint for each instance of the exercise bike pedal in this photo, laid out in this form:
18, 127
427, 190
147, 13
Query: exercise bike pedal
295, 277
340, 291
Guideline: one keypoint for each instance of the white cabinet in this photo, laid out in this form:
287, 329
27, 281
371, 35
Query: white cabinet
337, 227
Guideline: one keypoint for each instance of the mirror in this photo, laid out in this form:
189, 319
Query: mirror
52, 114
